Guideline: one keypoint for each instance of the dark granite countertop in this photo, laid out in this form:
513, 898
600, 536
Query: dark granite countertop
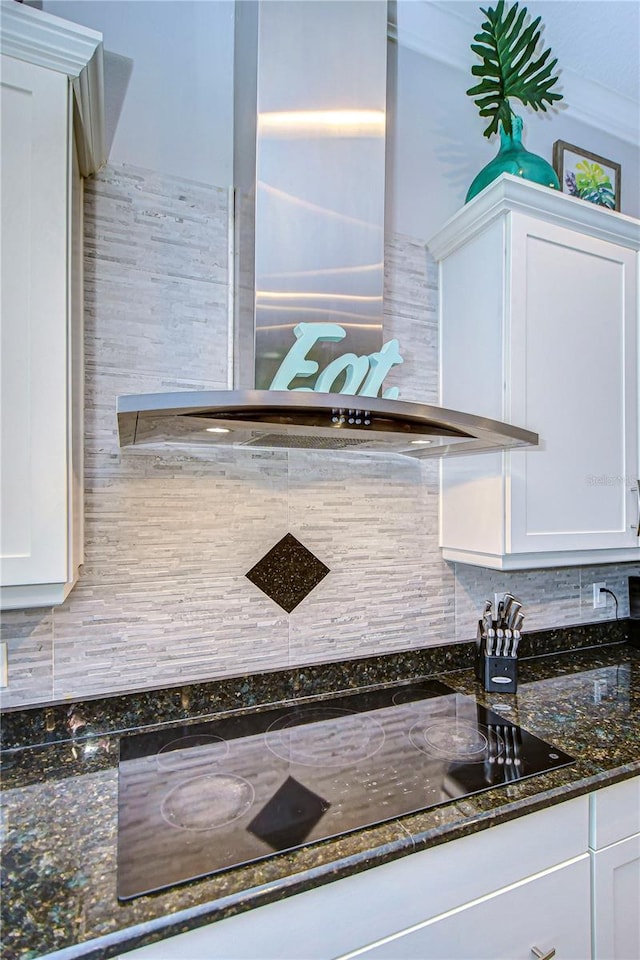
59, 815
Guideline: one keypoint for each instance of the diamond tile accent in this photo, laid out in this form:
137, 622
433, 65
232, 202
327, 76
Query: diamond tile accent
288, 572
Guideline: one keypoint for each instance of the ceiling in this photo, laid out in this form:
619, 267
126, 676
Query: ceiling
596, 42
595, 39
599, 39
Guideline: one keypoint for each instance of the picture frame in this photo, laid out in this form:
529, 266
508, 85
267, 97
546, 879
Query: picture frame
586, 175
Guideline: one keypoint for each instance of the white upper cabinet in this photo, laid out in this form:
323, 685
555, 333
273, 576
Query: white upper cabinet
51, 116
539, 314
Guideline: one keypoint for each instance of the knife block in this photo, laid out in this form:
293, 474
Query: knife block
499, 674
496, 674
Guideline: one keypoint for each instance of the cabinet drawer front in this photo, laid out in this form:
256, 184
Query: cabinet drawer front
549, 910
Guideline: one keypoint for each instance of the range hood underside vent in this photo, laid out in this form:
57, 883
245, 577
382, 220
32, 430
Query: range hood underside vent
266, 419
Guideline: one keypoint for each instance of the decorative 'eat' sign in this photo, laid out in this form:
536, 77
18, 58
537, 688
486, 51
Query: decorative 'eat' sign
363, 375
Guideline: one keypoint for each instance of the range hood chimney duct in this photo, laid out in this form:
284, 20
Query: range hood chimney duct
309, 175
309, 171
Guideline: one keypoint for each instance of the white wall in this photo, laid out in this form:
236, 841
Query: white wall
438, 145
177, 113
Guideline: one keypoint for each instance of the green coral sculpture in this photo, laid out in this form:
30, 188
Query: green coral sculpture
511, 66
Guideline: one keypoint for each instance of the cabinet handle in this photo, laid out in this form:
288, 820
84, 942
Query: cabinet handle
638, 493
541, 955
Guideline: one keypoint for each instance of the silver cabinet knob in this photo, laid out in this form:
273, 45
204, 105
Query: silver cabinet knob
541, 954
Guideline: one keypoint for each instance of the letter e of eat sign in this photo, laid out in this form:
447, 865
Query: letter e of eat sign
363, 375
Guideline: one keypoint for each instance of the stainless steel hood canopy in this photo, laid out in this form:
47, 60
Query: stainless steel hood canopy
309, 174
275, 418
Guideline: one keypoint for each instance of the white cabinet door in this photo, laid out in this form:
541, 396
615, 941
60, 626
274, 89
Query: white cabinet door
34, 317
615, 865
616, 901
614, 813
539, 321
549, 911
573, 379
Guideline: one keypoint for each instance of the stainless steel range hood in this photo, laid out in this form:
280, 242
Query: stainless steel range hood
276, 418
309, 174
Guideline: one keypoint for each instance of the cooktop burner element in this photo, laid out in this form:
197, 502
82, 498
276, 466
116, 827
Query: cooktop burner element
414, 693
457, 740
208, 796
190, 751
208, 802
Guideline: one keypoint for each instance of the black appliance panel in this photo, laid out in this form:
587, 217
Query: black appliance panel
200, 798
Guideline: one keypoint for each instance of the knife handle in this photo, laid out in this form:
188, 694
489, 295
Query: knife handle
514, 610
508, 643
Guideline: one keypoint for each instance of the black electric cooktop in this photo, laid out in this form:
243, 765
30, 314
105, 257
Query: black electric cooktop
200, 798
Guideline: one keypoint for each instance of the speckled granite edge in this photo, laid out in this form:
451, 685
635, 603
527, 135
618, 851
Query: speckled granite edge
541, 643
129, 938
117, 714
98, 717
154, 931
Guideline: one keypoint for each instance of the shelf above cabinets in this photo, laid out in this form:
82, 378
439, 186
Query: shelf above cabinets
539, 314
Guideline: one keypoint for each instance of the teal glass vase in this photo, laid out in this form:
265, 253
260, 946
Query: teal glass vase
513, 158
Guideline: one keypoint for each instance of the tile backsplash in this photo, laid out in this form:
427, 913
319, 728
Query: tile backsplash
163, 597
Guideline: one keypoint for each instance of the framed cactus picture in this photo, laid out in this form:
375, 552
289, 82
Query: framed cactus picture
586, 175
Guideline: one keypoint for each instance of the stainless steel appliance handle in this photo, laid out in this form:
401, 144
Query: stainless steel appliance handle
541, 954
638, 494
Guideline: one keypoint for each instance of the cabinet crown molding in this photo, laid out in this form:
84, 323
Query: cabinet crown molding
47, 41
38, 37
513, 194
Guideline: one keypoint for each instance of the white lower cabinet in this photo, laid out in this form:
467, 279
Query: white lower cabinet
495, 894
547, 912
615, 868
616, 892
